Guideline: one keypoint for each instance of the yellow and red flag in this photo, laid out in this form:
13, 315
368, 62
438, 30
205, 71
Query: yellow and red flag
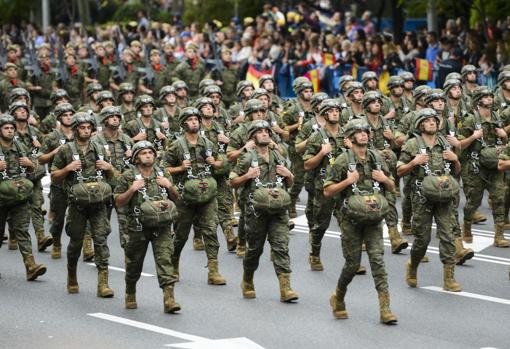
383, 82
423, 70
314, 77
253, 74
354, 71
328, 59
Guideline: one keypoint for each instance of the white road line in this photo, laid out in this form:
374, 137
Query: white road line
148, 327
121, 269
469, 295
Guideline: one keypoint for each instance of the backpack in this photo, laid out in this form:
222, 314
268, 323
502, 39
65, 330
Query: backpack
366, 207
154, 212
437, 188
269, 198
489, 154
16, 189
200, 188
92, 190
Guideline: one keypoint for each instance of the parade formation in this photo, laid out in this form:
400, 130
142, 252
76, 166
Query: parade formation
175, 143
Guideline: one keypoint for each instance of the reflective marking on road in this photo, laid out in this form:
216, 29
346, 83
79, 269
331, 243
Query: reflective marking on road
121, 269
147, 327
469, 295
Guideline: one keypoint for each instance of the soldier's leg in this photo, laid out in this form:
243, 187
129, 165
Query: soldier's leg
323, 210
182, 228
88, 251
256, 232
58, 207
162, 249
397, 243
241, 231
442, 216
474, 187
75, 228
278, 238
100, 229
36, 203
407, 210
309, 203
351, 249
461, 253
19, 219
497, 190
206, 222
299, 180
134, 250
224, 215
373, 238
422, 222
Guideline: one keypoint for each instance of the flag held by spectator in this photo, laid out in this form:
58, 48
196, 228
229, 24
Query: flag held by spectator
253, 74
314, 77
383, 82
423, 70
328, 59
354, 71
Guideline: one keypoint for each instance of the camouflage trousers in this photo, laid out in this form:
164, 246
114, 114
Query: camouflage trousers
225, 205
135, 249
407, 202
322, 212
241, 227
390, 158
18, 218
274, 228
424, 212
36, 203
310, 189
77, 218
298, 170
353, 236
58, 206
474, 187
204, 220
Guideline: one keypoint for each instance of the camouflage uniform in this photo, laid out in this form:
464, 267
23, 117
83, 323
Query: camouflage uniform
192, 76
354, 233
74, 85
136, 126
6, 86
203, 217
42, 102
78, 215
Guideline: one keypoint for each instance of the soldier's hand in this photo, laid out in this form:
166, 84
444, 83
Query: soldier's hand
352, 176
74, 165
186, 163
165, 124
36, 143
253, 172
326, 148
453, 141
477, 134
277, 129
3, 165
160, 135
26, 162
103, 165
250, 145
283, 171
388, 134
128, 153
32, 121
391, 114
142, 136
163, 182
138, 184
223, 139
501, 133
210, 160
379, 176
449, 155
348, 143
421, 159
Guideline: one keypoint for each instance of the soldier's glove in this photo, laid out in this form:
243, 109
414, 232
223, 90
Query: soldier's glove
124, 238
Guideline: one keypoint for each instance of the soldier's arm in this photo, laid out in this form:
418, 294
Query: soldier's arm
241, 174
123, 192
60, 169
336, 181
171, 161
468, 133
406, 162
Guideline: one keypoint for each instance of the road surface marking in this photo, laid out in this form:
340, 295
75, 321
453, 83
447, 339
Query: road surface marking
121, 269
469, 295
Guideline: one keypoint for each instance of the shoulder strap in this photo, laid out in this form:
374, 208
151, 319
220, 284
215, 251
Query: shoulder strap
254, 158
444, 143
184, 146
376, 159
140, 124
352, 161
74, 149
420, 142
324, 135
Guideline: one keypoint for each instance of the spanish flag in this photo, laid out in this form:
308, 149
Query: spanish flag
328, 59
423, 70
383, 82
314, 77
354, 71
253, 75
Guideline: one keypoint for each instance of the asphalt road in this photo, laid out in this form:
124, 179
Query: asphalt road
41, 314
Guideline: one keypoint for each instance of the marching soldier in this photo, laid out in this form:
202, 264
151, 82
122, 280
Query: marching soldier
74, 84
42, 86
191, 160
168, 113
192, 70
10, 82
14, 168
228, 77
353, 97
244, 90
263, 176
355, 172
142, 185
49, 123
80, 166
126, 96
181, 89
